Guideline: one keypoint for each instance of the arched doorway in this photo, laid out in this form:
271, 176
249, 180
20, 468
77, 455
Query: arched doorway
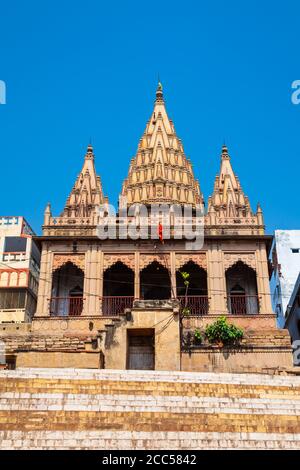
197, 298
67, 291
241, 288
155, 282
118, 289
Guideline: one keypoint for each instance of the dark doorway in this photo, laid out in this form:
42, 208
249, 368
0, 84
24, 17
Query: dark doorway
197, 280
196, 298
141, 349
155, 282
67, 291
118, 289
118, 280
241, 287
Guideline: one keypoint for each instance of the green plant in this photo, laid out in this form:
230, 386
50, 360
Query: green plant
185, 276
198, 338
223, 332
185, 311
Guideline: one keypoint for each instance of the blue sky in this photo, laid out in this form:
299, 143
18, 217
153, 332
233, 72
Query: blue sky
81, 69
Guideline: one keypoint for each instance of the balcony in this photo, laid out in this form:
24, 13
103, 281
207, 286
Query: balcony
197, 304
66, 306
243, 304
116, 305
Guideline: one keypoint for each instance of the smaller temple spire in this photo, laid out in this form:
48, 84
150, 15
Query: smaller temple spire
47, 214
229, 207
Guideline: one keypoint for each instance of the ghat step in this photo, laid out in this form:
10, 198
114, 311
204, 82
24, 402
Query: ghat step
69, 408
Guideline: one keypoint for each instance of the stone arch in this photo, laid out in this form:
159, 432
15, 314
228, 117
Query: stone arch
59, 260
118, 280
67, 290
155, 282
197, 298
118, 289
230, 259
241, 287
197, 279
111, 259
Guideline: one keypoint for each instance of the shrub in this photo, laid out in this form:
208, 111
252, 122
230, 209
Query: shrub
223, 332
198, 338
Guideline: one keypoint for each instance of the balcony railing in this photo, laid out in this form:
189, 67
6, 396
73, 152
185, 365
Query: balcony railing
115, 305
66, 306
197, 304
243, 304
14, 256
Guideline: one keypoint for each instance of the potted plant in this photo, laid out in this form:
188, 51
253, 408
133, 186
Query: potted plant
223, 333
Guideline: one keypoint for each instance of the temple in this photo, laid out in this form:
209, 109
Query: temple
117, 303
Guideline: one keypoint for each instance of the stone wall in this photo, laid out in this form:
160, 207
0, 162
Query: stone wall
103, 342
263, 347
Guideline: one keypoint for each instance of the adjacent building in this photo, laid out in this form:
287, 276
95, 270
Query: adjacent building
292, 320
19, 270
285, 258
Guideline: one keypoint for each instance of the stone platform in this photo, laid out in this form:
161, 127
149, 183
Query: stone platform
110, 409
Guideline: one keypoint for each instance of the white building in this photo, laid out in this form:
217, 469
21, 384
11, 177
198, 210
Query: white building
19, 270
286, 268
292, 322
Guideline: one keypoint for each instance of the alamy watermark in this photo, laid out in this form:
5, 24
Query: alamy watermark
296, 94
296, 352
2, 92
158, 222
2, 353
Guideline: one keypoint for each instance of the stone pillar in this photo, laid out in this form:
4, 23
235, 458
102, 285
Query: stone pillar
100, 280
216, 282
86, 283
45, 283
262, 277
173, 274
91, 282
137, 275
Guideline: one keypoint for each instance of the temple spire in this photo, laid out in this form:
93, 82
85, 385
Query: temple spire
87, 193
229, 202
160, 172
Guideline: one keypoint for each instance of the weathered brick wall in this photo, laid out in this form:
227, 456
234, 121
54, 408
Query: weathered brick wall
81, 344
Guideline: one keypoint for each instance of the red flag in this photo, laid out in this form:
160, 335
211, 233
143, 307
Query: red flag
160, 232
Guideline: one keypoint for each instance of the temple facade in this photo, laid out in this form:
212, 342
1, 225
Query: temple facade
117, 301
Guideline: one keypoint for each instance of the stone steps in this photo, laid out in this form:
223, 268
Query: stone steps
142, 403
95, 440
80, 409
155, 376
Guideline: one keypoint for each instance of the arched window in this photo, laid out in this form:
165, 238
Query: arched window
155, 282
67, 291
118, 289
241, 287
